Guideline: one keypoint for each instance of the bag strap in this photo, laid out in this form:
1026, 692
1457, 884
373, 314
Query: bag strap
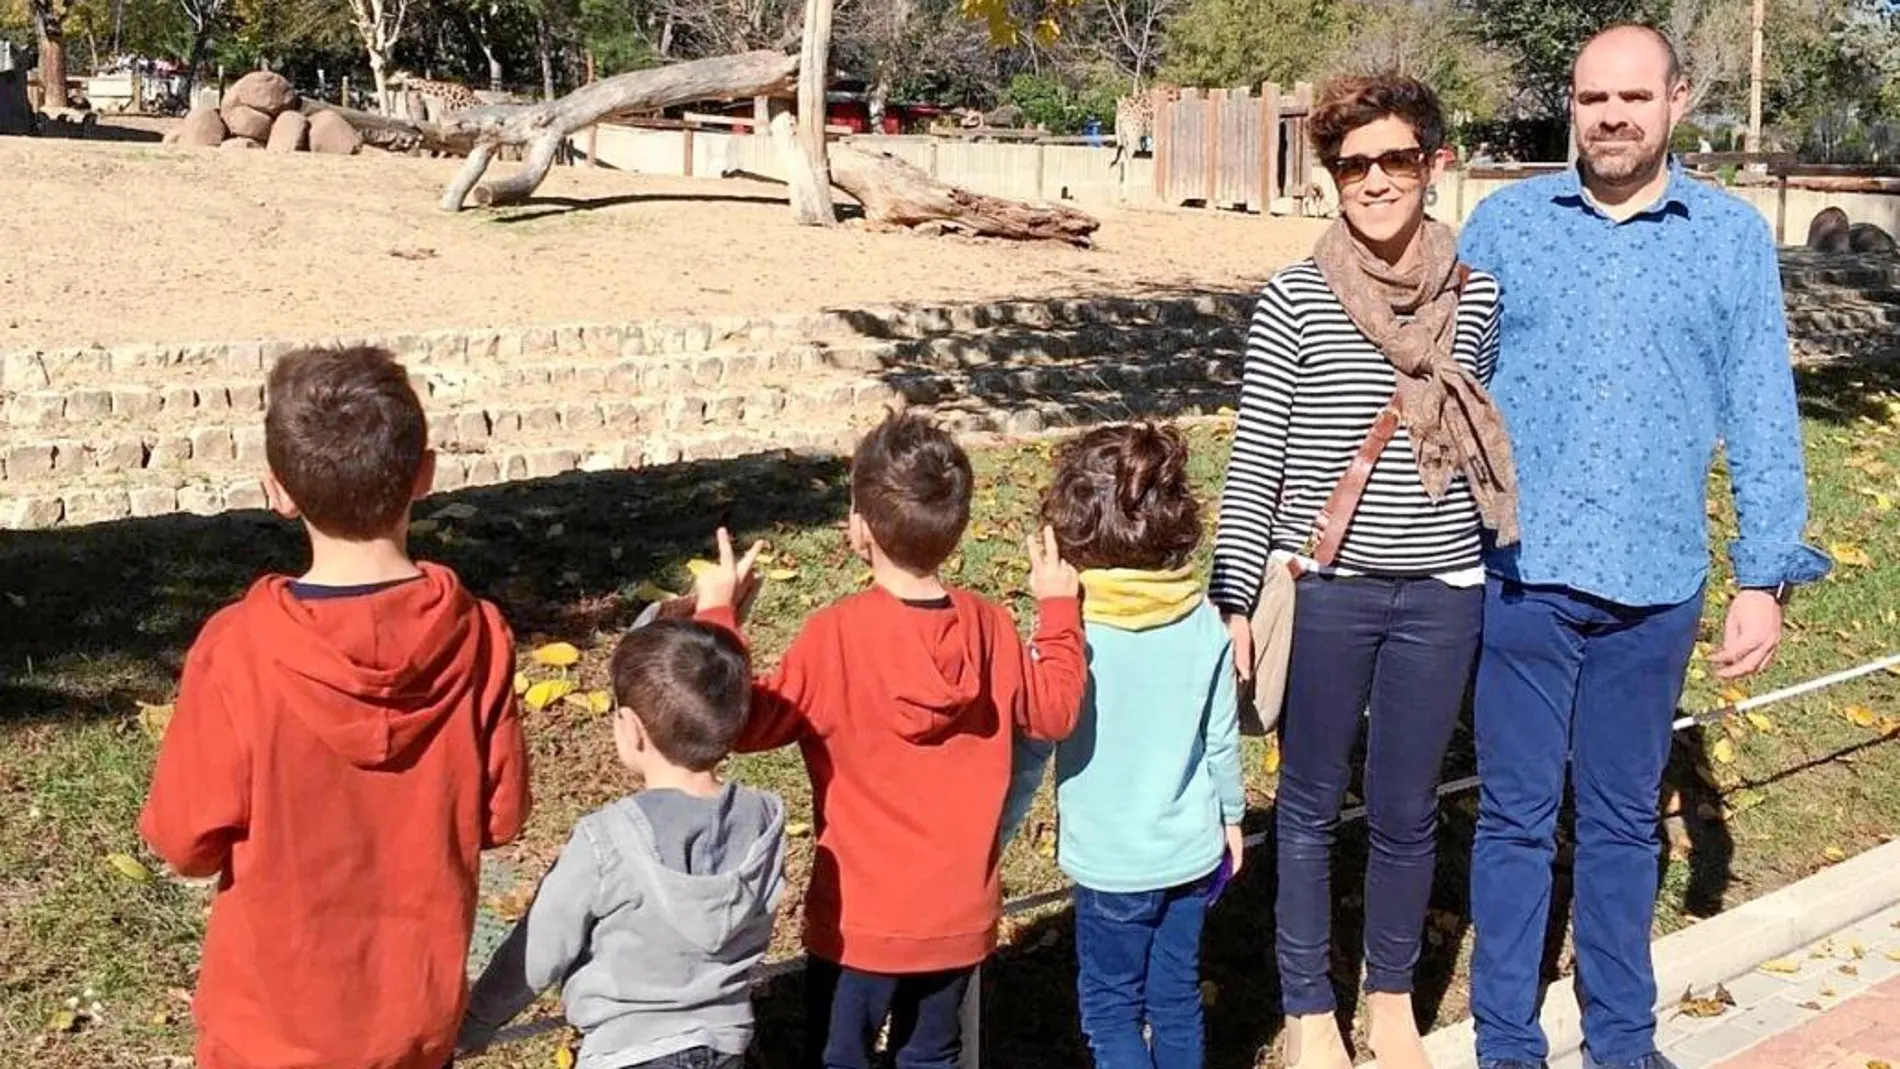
1329, 527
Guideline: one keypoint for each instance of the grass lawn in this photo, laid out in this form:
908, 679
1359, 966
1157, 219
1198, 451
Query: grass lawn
96, 962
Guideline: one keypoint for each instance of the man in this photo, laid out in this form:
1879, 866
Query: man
1642, 324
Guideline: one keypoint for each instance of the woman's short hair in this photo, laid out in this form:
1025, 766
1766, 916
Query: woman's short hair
1346, 104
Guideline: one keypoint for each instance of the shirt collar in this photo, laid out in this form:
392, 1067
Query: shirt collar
1570, 190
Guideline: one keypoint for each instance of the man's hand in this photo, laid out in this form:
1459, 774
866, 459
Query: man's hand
1049, 575
1240, 629
1236, 849
1750, 635
717, 587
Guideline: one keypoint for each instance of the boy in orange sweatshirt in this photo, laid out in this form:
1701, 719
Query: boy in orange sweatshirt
344, 747
905, 701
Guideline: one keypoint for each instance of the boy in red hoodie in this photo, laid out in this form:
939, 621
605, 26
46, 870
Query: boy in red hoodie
344, 747
905, 701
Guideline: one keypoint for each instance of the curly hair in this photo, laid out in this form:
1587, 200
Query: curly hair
1121, 499
1346, 104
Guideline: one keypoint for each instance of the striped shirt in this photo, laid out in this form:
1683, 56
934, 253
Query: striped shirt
1312, 386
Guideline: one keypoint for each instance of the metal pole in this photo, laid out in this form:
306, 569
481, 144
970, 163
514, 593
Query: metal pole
1754, 79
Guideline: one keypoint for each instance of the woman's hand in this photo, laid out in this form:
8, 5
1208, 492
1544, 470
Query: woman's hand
1240, 629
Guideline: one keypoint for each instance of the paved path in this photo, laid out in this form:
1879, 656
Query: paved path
1835, 1005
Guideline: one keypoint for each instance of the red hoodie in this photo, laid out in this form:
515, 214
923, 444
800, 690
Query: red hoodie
339, 764
907, 718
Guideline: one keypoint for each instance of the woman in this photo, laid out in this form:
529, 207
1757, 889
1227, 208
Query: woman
1380, 333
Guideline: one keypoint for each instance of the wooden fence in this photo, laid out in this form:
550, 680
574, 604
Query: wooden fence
1231, 148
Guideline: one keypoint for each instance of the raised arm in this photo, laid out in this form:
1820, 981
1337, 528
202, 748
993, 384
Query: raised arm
783, 702
1244, 537
1055, 663
199, 802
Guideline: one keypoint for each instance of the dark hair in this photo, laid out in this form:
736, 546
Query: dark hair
1671, 56
346, 437
1346, 104
911, 482
1121, 499
690, 683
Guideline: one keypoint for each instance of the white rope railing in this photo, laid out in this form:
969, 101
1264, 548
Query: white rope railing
972, 1007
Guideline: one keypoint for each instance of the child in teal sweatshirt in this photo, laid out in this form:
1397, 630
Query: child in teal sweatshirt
1148, 787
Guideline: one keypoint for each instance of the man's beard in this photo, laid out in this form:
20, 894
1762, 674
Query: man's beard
1616, 158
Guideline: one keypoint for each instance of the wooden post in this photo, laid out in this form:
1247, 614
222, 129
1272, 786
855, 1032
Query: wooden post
1754, 80
1781, 209
686, 147
1042, 169
1269, 146
593, 132
1300, 177
1210, 132
761, 116
811, 198
344, 90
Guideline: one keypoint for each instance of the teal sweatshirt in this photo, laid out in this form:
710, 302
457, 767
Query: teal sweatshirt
1152, 772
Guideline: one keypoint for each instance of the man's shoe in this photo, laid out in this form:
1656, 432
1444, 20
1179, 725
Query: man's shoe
1653, 1060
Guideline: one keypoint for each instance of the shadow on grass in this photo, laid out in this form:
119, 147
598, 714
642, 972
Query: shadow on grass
100, 615
1847, 390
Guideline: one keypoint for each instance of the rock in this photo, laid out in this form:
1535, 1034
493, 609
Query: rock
204, 128
1866, 237
332, 133
245, 121
171, 136
290, 132
265, 91
240, 143
1828, 232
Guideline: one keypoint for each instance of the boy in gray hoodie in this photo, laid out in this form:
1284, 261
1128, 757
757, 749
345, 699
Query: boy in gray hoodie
661, 904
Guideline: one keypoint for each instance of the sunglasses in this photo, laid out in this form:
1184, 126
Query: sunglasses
1401, 163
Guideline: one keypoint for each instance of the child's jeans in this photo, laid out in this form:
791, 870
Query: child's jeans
1140, 963
845, 1008
695, 1058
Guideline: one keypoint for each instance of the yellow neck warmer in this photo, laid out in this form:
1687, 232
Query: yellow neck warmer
1139, 600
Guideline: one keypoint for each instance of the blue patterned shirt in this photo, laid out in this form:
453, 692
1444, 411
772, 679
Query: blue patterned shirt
1626, 352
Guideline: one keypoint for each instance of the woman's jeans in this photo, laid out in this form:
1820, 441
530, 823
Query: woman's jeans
1139, 957
1404, 649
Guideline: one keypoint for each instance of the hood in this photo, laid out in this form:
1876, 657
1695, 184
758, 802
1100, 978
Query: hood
374, 675
1136, 600
709, 910
930, 663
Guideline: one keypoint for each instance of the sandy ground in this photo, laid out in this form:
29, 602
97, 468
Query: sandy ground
113, 242
124, 242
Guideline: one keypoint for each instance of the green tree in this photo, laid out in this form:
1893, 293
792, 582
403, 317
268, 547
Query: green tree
1542, 37
1432, 41
1245, 42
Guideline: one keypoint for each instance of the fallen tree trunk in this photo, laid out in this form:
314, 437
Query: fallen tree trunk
394, 134
543, 128
896, 193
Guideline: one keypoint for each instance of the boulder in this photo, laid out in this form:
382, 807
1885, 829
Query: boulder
245, 121
203, 127
1866, 237
1828, 232
240, 143
332, 134
266, 91
290, 132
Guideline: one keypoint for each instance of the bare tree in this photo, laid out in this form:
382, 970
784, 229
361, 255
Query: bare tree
1133, 33
379, 24
203, 16
1429, 41
49, 18
720, 27
1713, 39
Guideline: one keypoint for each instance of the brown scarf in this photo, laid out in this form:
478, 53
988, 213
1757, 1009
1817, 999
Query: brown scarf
1452, 421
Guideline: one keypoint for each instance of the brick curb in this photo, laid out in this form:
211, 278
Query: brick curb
1719, 949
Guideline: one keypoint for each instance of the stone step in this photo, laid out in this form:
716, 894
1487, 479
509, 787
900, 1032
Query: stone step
167, 444
1211, 368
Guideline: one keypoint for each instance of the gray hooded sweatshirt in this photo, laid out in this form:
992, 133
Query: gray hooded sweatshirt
653, 920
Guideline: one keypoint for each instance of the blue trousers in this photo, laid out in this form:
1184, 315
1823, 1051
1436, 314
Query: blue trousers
1569, 683
845, 1008
1401, 648
1139, 962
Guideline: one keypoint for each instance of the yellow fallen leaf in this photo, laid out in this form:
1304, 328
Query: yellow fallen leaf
798, 829
1731, 695
1272, 761
782, 575
546, 692
1860, 716
557, 655
697, 567
594, 701
1834, 853
865, 577
1761, 723
154, 719
130, 867
1210, 992
521, 683
1723, 751
563, 1057
64, 1021
1850, 555
1783, 966
650, 591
